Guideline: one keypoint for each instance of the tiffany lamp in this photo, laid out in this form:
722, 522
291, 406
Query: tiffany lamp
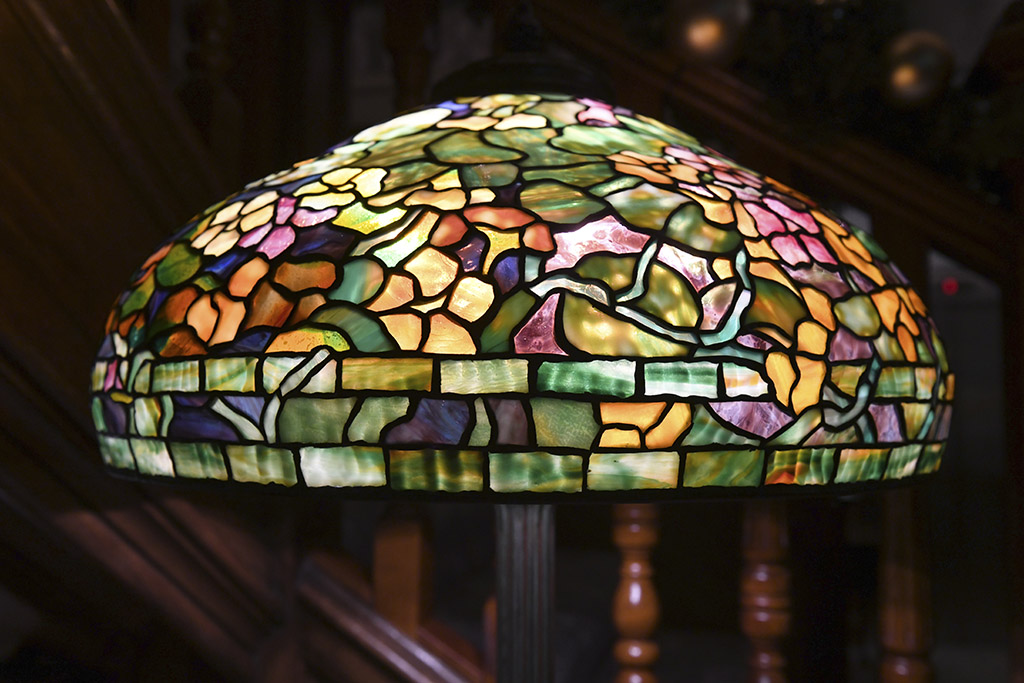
523, 298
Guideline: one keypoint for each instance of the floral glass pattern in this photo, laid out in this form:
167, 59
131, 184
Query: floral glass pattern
522, 293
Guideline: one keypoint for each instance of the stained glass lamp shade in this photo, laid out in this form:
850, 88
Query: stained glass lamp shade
518, 295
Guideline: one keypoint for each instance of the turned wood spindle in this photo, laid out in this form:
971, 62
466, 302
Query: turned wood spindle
635, 606
765, 597
403, 567
904, 592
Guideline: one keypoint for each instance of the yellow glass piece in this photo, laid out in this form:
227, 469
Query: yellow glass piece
916, 303
744, 221
446, 181
646, 172
807, 391
397, 291
906, 341
307, 340
257, 218
387, 374
405, 124
596, 332
315, 187
448, 337
887, 303
538, 237
827, 222
781, 373
687, 174
770, 271
222, 242
368, 183
906, 316
500, 242
202, 317
667, 432
433, 269
714, 210
389, 198
851, 258
820, 307
469, 122
847, 377
641, 415
431, 305
228, 213
229, 319
406, 328
723, 268
858, 247
259, 201
481, 195
620, 438
447, 200
760, 249
521, 121
471, 298
317, 202
811, 338
950, 386
358, 217
723, 193
340, 176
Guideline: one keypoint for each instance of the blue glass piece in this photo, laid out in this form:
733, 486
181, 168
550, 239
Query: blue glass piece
156, 301
191, 423
223, 266
115, 415
437, 421
106, 348
510, 419
250, 406
507, 272
248, 342
470, 254
457, 107
322, 239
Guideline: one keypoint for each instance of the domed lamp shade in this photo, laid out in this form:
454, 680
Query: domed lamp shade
522, 296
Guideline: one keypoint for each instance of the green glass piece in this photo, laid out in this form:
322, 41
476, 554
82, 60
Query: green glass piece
917, 417
207, 282
99, 374
116, 453
139, 374
860, 464
888, 348
481, 435
243, 423
139, 296
262, 464
538, 472
858, 315
342, 466
923, 354
176, 376
801, 428
558, 114
616, 184
869, 241
709, 431
646, 205
801, 466
468, 147
925, 382
682, 379
361, 279
146, 416
276, 368
689, 227
412, 239
669, 297
323, 380
497, 336
152, 458
409, 174
314, 420
198, 461
741, 380
583, 175
365, 331
367, 220
96, 408
902, 461
534, 143
931, 458
561, 423
632, 471
435, 470
606, 140
497, 376
387, 374
557, 202
615, 270
895, 382
178, 265
167, 413
401, 150
593, 331
776, 305
654, 128
488, 175
404, 124
597, 377
847, 377
940, 351
374, 414
231, 374
723, 468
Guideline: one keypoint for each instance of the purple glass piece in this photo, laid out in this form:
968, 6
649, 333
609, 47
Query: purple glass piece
106, 348
115, 415
754, 341
762, 418
845, 346
108, 381
538, 334
323, 239
507, 272
250, 406
199, 423
941, 423
606, 234
248, 342
285, 209
789, 249
470, 254
454, 106
801, 218
510, 418
305, 218
254, 236
436, 422
825, 280
277, 241
766, 221
817, 250
887, 423
693, 268
863, 283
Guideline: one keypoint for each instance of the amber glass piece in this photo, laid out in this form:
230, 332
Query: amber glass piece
300, 276
538, 238
670, 428
449, 231
616, 437
397, 291
406, 328
448, 337
246, 277
433, 269
643, 415
471, 298
782, 375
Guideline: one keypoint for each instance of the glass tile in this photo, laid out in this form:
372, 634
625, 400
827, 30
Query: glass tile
481, 434
931, 458
314, 420
146, 416
633, 471
176, 376
116, 453
437, 470
903, 461
342, 466
741, 380
723, 468
374, 414
801, 466
198, 460
435, 422
681, 378
261, 464
152, 457
386, 374
230, 374
536, 471
860, 464
896, 382
646, 205
597, 377
497, 376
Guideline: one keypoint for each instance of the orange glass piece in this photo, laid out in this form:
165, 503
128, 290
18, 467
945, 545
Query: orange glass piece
760, 249
770, 271
642, 415
811, 338
397, 291
887, 303
615, 437
744, 221
268, 308
807, 391
782, 375
202, 317
304, 309
449, 231
182, 342
406, 328
471, 298
305, 275
820, 307
433, 269
448, 337
538, 238
906, 341
177, 304
231, 314
246, 277
666, 433
503, 217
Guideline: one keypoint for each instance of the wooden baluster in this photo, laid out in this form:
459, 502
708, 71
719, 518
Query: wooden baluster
635, 607
765, 599
905, 610
402, 568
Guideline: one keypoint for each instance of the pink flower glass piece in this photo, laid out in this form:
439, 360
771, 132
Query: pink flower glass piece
762, 418
285, 208
693, 268
254, 237
304, 218
538, 334
766, 221
789, 249
817, 250
801, 218
277, 241
606, 234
